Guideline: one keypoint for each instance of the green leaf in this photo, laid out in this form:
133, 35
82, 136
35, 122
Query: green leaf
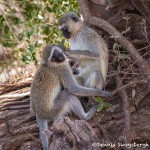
99, 100
107, 104
46, 30
36, 44
28, 34
49, 9
31, 48
100, 107
8, 44
16, 20
25, 59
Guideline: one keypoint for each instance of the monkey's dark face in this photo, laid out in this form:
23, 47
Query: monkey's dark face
53, 54
75, 67
57, 55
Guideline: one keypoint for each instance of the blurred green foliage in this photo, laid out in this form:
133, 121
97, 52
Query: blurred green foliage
27, 25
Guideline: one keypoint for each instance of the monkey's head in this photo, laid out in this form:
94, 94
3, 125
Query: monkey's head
69, 24
53, 55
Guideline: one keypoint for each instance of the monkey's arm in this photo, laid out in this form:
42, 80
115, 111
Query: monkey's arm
82, 54
71, 85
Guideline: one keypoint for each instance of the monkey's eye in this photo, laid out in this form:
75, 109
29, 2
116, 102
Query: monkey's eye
74, 18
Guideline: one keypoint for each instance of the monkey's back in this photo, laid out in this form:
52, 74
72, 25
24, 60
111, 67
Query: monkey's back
45, 88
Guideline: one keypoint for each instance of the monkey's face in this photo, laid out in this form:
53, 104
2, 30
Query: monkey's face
68, 24
75, 67
57, 55
52, 55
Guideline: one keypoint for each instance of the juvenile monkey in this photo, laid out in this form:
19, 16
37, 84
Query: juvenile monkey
88, 47
54, 90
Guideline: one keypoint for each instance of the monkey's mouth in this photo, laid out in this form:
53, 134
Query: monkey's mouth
76, 71
66, 33
75, 67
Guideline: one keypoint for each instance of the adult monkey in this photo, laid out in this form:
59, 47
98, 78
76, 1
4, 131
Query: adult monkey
88, 47
54, 91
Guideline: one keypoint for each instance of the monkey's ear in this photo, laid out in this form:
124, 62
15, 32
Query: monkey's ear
74, 18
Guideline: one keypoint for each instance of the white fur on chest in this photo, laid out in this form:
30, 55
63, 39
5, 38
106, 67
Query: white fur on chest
77, 45
54, 93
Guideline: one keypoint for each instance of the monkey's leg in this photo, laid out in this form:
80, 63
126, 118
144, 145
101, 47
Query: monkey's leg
43, 125
74, 105
95, 80
78, 110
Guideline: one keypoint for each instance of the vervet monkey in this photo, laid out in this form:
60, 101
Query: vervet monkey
54, 90
88, 47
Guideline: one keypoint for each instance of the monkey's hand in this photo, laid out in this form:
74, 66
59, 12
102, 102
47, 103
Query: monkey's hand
105, 94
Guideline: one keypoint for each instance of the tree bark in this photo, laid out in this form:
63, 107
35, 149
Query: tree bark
18, 128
